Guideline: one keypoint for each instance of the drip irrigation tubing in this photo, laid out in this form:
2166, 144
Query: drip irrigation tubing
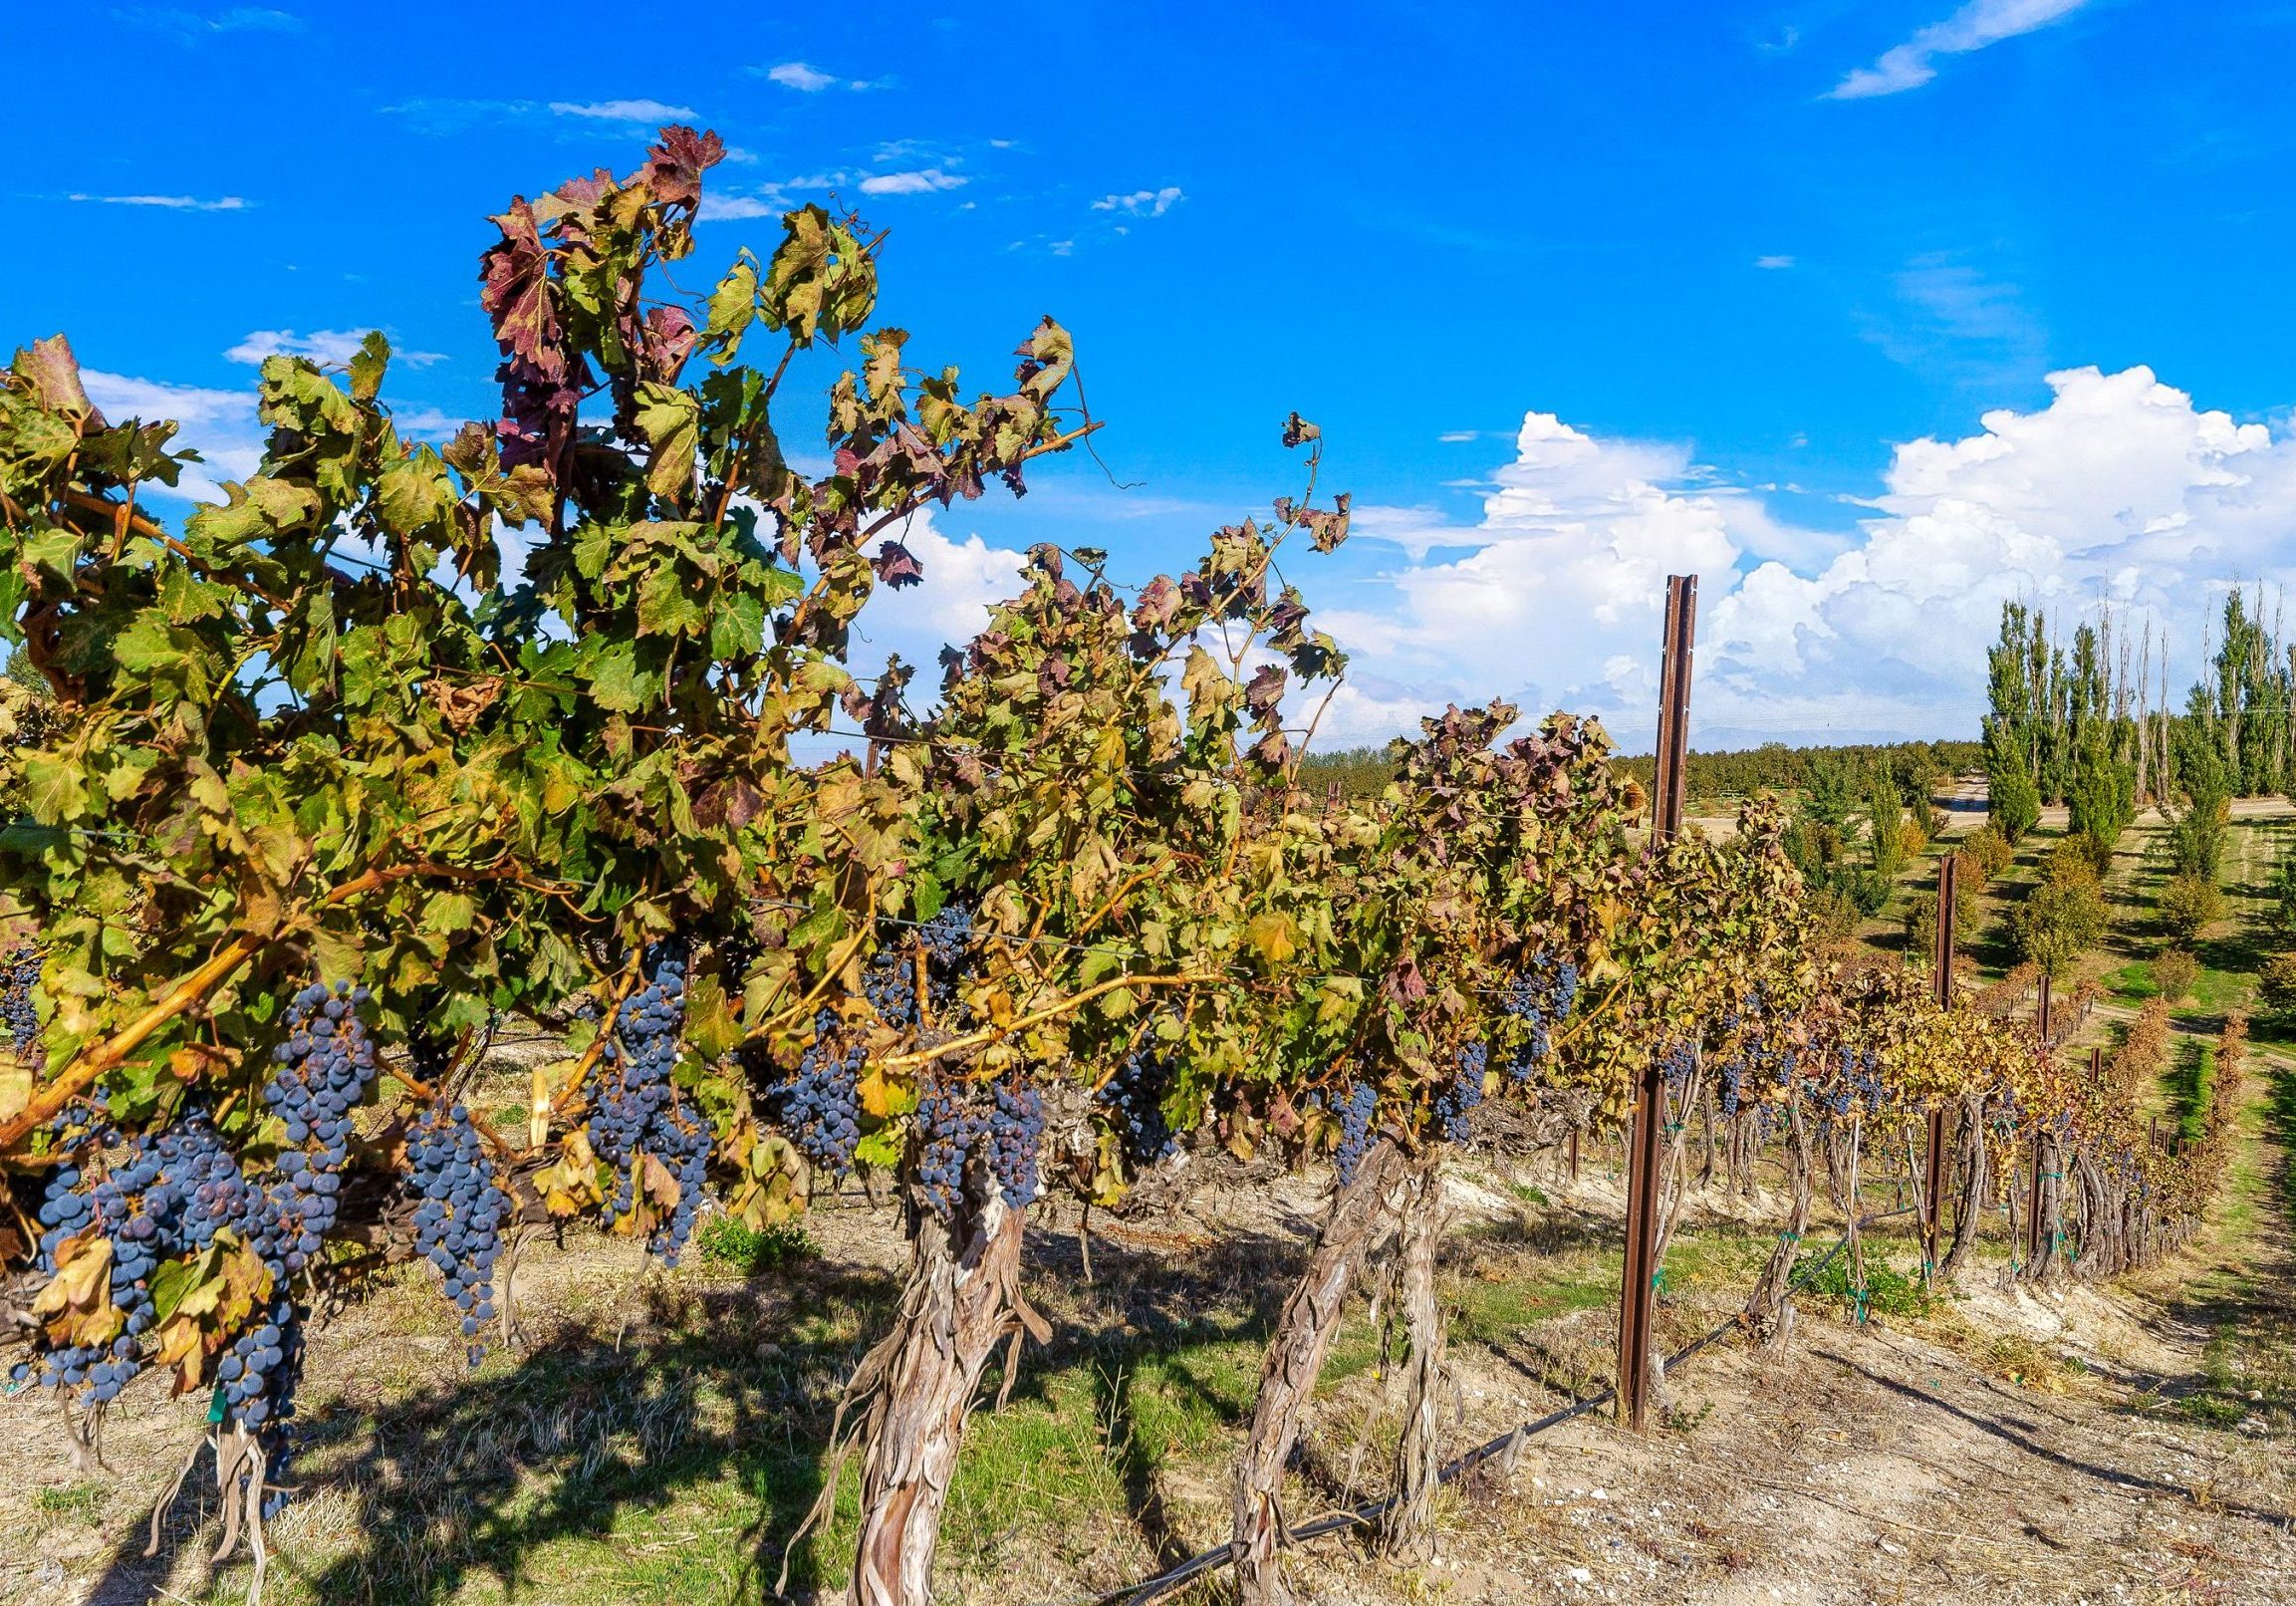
1212, 1560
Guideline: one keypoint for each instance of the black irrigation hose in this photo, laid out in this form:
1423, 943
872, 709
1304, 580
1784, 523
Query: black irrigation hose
1369, 1511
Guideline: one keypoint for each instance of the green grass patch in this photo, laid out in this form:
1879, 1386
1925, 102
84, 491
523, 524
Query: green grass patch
750, 1250
1888, 1291
83, 1500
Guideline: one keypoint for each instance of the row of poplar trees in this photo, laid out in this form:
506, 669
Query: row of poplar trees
2092, 726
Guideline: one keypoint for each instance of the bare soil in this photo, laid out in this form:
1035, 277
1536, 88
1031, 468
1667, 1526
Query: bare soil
659, 1433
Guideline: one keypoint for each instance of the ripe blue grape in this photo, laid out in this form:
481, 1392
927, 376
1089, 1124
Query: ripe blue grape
1356, 1118
889, 983
947, 938
458, 1225
1134, 1102
1543, 996
950, 1133
171, 1190
636, 1108
818, 1105
1457, 1100
1015, 1128
19, 1016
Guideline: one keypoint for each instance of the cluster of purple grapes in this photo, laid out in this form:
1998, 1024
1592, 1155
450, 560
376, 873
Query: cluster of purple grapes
19, 1016
458, 1225
948, 941
1457, 1101
1356, 1117
1015, 1131
949, 1129
635, 1107
257, 1374
1858, 1082
1679, 1059
888, 981
171, 1192
115, 1205
324, 1069
1135, 1099
819, 1106
1543, 996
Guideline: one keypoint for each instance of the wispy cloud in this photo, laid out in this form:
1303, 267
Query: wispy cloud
1452, 437
807, 78
766, 201
799, 76
1773, 262
194, 24
1141, 202
172, 203
333, 347
625, 111
920, 182
1976, 25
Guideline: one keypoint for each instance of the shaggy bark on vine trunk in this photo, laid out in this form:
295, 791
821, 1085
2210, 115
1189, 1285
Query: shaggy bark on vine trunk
1970, 1198
915, 1388
1408, 1528
1770, 1309
2048, 1260
1361, 1214
2096, 1256
1673, 1170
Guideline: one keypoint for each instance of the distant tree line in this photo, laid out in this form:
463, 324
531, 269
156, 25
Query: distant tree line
2080, 728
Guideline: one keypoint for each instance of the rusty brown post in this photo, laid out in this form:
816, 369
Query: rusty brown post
2033, 1215
1941, 981
1573, 1154
1646, 1156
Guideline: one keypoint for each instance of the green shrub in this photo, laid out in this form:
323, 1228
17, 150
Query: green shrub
2065, 917
2097, 849
2174, 974
2190, 904
2277, 985
1912, 840
748, 1250
2283, 890
1990, 851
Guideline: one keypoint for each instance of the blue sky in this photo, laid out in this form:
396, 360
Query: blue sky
1580, 295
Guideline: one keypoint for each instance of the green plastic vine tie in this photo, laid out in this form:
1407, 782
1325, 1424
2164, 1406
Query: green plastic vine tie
215, 1407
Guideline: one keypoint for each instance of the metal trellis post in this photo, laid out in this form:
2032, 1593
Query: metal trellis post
1645, 1160
1941, 980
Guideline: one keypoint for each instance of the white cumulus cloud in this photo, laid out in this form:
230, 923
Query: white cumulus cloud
219, 424
1141, 202
962, 581
2118, 491
1976, 25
